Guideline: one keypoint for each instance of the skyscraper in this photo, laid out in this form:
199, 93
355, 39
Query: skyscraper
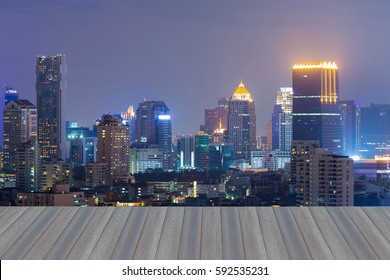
350, 124
113, 147
216, 118
242, 123
20, 126
50, 87
153, 126
186, 152
201, 150
316, 114
282, 120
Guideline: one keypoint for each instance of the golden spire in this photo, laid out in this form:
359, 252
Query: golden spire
241, 89
220, 123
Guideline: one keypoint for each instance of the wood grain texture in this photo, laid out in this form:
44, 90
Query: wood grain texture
150, 236
296, 247
232, 245
69, 236
352, 235
311, 234
51, 234
127, 243
371, 233
332, 235
109, 237
189, 248
9, 217
31, 234
379, 218
252, 237
84, 245
211, 239
273, 239
18, 227
168, 246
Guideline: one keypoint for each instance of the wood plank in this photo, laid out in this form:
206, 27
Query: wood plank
84, 245
370, 232
51, 234
211, 235
20, 225
150, 236
189, 248
379, 218
331, 233
31, 234
254, 247
127, 242
168, 246
273, 239
232, 244
108, 239
311, 234
296, 247
71, 233
3, 209
9, 217
354, 238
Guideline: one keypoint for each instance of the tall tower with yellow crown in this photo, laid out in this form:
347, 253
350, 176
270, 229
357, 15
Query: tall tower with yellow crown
316, 113
242, 123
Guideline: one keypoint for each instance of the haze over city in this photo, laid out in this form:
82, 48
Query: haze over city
191, 53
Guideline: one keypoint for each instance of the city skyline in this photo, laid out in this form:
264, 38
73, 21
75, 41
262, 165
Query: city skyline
192, 54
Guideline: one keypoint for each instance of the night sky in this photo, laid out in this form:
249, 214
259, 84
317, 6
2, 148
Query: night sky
191, 53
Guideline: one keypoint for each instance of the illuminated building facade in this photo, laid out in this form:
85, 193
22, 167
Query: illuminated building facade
316, 114
216, 118
154, 126
350, 125
321, 178
20, 126
201, 150
50, 87
282, 120
113, 147
242, 123
186, 152
375, 130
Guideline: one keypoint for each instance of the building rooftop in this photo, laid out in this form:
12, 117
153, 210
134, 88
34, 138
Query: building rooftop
194, 233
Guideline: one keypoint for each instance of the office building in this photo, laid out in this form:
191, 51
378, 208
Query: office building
26, 165
51, 174
216, 118
145, 157
375, 130
113, 147
153, 126
316, 114
50, 89
130, 119
282, 120
272, 160
201, 150
350, 125
81, 144
321, 178
186, 152
220, 156
20, 126
242, 123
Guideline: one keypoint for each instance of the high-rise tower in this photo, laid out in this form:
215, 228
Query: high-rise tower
282, 120
153, 126
242, 123
113, 147
50, 87
316, 114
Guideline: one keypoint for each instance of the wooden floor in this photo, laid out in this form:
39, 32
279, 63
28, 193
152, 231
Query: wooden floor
194, 233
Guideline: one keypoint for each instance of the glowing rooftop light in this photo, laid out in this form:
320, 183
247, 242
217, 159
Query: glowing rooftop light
316, 65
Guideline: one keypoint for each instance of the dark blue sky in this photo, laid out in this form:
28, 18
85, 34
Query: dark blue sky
190, 53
